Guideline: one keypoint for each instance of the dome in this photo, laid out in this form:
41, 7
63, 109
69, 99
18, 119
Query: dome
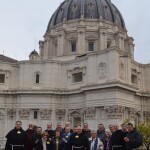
87, 9
34, 52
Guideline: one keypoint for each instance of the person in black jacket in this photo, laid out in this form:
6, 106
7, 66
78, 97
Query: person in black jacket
117, 139
44, 143
36, 137
133, 139
50, 131
78, 141
16, 138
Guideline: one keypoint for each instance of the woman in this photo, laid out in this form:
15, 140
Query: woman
106, 139
94, 142
44, 143
57, 143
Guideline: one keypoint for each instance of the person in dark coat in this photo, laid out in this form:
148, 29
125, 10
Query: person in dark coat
124, 130
59, 128
101, 131
117, 139
29, 133
17, 137
44, 143
106, 139
57, 143
36, 137
86, 130
78, 141
50, 131
133, 139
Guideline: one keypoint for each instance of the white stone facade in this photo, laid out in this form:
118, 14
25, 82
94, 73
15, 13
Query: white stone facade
105, 85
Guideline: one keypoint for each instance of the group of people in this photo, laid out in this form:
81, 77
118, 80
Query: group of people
113, 138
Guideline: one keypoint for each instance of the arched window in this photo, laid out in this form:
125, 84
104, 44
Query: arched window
37, 80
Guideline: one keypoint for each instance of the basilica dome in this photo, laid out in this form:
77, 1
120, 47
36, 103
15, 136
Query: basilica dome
86, 9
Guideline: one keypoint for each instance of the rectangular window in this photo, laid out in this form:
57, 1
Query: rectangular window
2, 78
35, 114
91, 46
134, 79
77, 77
73, 47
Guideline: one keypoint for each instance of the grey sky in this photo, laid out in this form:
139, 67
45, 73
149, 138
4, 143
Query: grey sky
23, 23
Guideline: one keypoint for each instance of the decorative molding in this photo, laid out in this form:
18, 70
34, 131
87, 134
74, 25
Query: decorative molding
60, 113
146, 115
45, 113
114, 111
133, 113
11, 112
75, 113
24, 113
90, 113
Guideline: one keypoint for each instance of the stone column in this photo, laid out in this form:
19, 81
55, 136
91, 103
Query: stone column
103, 40
46, 47
61, 43
81, 40
41, 47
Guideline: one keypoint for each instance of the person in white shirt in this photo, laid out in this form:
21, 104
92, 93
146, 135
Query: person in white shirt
94, 142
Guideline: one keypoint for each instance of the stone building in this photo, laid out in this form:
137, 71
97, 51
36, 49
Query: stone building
84, 71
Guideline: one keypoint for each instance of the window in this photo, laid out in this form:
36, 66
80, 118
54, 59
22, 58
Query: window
108, 44
73, 47
77, 77
134, 79
37, 78
91, 46
2, 78
35, 114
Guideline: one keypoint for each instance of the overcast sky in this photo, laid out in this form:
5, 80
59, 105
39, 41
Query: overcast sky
23, 23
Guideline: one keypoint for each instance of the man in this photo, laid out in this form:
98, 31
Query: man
36, 137
124, 130
111, 128
67, 124
133, 139
78, 141
101, 131
16, 138
94, 142
59, 128
86, 130
66, 137
50, 131
75, 129
29, 133
117, 139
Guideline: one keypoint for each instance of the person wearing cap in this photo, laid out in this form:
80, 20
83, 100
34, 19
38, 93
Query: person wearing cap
94, 142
